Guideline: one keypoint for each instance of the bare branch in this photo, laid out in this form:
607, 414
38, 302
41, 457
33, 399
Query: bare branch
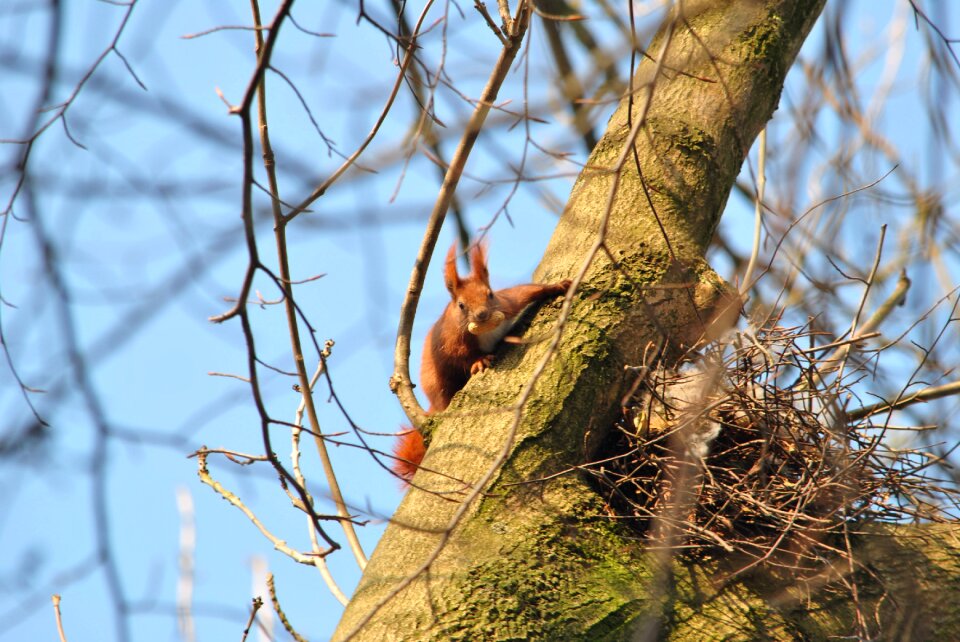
400, 382
926, 394
56, 613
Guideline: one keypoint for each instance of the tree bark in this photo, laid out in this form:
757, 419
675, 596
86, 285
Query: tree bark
540, 559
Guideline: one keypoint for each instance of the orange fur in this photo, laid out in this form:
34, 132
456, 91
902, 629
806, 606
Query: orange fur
408, 451
461, 342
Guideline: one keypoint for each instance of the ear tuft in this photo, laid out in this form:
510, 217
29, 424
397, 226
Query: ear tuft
450, 276
478, 260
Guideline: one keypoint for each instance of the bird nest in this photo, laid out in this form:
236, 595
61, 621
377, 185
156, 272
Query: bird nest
752, 451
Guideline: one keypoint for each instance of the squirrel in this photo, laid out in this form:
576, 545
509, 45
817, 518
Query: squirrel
460, 344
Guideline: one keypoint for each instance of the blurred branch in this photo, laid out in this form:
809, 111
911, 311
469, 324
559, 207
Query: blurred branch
188, 545
321, 189
570, 84
758, 213
839, 356
28, 601
94, 405
426, 123
61, 109
949, 42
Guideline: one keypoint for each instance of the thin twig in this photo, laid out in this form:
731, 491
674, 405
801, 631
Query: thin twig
927, 394
254, 265
400, 381
279, 611
257, 603
321, 189
757, 215
320, 562
870, 280
482, 9
838, 357
293, 328
56, 614
280, 545
508, 24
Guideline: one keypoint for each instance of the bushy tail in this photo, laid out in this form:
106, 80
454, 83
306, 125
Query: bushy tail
408, 453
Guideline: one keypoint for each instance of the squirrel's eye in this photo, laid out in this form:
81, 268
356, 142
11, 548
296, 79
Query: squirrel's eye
462, 306
490, 294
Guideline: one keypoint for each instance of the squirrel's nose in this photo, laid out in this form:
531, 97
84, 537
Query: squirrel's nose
483, 315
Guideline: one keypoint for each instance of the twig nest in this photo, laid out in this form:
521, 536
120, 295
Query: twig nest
749, 450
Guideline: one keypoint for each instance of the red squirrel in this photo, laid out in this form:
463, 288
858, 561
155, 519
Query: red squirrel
460, 343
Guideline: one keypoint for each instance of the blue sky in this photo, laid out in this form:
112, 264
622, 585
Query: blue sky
157, 187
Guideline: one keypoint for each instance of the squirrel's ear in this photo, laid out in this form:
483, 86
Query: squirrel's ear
478, 259
450, 276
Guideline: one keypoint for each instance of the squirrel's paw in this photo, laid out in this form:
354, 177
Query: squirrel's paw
481, 364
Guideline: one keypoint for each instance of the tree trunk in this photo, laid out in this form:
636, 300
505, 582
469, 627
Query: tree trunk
540, 559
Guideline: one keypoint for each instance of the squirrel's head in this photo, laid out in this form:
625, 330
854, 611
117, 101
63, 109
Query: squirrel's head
475, 301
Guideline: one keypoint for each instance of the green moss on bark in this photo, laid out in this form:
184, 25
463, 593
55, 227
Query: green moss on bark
567, 579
